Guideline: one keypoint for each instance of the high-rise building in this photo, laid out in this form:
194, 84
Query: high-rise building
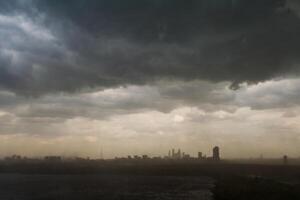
200, 155
285, 159
179, 154
173, 153
216, 153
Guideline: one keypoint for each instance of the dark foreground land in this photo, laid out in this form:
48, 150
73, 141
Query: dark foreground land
194, 181
110, 187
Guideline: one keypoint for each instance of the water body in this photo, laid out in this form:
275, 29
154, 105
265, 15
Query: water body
110, 187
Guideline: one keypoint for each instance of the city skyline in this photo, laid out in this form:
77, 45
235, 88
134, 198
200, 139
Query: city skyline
213, 154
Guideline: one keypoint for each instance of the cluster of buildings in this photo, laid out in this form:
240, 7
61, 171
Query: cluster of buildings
16, 158
172, 154
177, 155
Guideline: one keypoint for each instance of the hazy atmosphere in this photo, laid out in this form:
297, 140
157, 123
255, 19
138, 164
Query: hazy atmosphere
78, 78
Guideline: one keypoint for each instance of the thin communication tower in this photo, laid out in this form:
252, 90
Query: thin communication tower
100, 145
101, 152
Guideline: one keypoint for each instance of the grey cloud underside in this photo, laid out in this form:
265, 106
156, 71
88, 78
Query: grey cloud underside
163, 97
74, 45
209, 102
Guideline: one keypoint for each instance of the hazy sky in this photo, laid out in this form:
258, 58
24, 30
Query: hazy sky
144, 76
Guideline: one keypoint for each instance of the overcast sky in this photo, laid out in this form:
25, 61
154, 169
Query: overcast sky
144, 76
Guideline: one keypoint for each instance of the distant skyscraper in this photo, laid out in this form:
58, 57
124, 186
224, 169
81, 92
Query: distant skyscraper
199, 155
285, 159
173, 153
216, 153
179, 154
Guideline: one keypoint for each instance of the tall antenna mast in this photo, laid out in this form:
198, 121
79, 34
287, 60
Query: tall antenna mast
101, 153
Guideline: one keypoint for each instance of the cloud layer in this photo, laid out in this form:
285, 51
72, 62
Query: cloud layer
52, 46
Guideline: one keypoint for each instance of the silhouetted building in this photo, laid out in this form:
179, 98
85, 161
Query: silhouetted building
52, 158
216, 153
179, 154
13, 158
186, 156
200, 155
261, 156
173, 153
285, 159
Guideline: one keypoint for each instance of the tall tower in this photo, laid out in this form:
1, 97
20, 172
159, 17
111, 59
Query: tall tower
216, 153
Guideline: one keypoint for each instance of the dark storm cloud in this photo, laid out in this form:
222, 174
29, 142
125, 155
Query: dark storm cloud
70, 45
